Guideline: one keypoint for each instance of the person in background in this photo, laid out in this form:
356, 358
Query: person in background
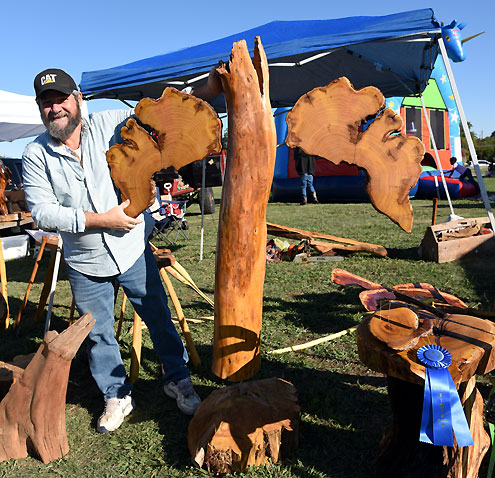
305, 167
69, 189
464, 172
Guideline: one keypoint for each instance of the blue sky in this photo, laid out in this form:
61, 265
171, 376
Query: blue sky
93, 35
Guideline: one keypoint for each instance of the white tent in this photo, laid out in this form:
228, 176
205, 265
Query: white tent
19, 117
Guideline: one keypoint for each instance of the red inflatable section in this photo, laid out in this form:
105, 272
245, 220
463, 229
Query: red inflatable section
457, 189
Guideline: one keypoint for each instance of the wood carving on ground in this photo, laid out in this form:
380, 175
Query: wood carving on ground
245, 424
32, 413
241, 245
327, 122
348, 245
187, 129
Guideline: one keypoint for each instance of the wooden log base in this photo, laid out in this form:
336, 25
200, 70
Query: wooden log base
244, 425
327, 122
32, 413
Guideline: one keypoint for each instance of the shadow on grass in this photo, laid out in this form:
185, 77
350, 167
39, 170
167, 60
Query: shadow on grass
318, 312
342, 415
479, 268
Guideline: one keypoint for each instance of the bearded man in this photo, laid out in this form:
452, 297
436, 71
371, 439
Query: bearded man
69, 189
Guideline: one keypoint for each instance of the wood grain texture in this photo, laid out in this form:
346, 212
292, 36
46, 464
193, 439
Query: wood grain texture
469, 339
245, 424
241, 245
187, 129
32, 413
327, 122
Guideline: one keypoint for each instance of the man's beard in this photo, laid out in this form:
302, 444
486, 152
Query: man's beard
62, 133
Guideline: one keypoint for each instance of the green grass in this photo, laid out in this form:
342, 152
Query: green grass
344, 404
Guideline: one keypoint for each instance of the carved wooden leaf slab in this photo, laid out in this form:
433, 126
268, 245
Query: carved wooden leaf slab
327, 122
187, 129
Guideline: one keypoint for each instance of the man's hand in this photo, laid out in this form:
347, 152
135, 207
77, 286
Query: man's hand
114, 218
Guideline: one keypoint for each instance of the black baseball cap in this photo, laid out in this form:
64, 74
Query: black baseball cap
54, 79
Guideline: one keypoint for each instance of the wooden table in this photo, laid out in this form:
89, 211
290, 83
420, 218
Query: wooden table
470, 341
16, 219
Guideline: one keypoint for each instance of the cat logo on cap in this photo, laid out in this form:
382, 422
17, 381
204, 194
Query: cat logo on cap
50, 78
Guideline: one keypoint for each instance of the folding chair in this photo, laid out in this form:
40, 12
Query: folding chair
170, 221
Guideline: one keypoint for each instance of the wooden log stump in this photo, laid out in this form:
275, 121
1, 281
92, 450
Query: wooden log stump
241, 245
245, 424
328, 122
32, 413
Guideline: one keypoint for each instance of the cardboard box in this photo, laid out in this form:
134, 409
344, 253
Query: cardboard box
15, 247
437, 250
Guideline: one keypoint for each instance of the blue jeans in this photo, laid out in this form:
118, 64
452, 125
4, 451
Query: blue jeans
143, 287
307, 182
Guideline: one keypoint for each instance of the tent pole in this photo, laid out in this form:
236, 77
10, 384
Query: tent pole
467, 133
203, 181
453, 216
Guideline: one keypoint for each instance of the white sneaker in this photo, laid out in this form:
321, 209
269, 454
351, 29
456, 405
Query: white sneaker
183, 392
116, 409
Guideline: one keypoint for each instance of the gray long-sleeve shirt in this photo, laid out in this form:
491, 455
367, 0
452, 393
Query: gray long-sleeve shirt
59, 190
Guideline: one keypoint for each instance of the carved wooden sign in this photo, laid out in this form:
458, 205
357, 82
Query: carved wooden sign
328, 122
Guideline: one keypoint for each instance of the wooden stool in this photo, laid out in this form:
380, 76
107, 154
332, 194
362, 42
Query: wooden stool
470, 340
164, 259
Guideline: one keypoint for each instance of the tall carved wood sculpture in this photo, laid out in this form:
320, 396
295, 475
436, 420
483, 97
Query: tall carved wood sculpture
187, 129
327, 122
240, 259
388, 341
32, 413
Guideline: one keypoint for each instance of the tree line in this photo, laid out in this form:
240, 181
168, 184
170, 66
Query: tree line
485, 147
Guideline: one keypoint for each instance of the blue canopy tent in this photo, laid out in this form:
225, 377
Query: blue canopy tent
395, 53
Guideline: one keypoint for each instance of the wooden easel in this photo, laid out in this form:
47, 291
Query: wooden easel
53, 243
165, 261
9, 221
3, 278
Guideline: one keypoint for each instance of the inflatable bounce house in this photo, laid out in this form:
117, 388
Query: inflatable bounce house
346, 182
444, 120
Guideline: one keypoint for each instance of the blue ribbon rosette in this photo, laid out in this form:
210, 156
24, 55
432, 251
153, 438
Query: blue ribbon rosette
442, 409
